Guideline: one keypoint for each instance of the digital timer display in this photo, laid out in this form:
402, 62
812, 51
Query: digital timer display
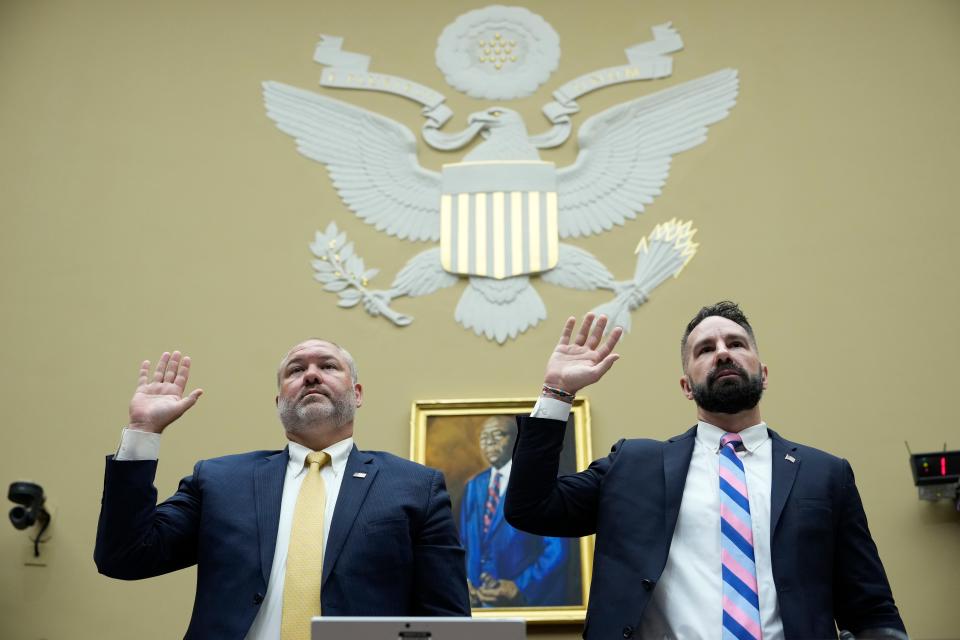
935, 468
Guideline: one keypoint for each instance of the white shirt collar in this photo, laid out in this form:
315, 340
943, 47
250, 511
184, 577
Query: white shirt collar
505, 469
338, 452
709, 436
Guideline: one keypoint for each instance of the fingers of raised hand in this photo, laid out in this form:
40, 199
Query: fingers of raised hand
144, 373
172, 368
567, 330
584, 332
597, 334
612, 339
170, 374
183, 373
191, 400
604, 365
161, 367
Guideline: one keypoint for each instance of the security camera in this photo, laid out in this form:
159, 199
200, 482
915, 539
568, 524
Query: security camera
29, 496
30, 510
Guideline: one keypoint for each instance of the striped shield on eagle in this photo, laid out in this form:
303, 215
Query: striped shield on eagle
498, 219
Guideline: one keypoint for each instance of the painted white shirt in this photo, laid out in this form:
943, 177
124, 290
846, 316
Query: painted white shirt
504, 472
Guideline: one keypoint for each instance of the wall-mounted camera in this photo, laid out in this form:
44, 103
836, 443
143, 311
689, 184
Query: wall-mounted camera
30, 510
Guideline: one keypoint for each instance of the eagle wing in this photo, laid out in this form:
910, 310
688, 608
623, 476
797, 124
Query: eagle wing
371, 159
625, 151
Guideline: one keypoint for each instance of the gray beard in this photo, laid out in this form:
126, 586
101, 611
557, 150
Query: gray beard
297, 417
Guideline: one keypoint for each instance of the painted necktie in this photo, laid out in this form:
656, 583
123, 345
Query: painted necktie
301, 583
741, 603
493, 501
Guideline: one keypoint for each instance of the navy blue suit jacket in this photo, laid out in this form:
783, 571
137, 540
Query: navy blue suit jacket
825, 564
392, 549
539, 565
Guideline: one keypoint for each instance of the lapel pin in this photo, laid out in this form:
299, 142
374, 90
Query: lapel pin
789, 458
359, 474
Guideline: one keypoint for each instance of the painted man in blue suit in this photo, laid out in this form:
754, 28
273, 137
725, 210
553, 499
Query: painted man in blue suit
507, 567
371, 534
725, 531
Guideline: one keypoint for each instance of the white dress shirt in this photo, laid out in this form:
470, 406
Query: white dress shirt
687, 603
140, 445
688, 599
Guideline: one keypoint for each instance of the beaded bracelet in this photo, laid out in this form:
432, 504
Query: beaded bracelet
558, 394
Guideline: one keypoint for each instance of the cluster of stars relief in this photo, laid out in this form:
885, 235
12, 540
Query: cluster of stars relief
497, 51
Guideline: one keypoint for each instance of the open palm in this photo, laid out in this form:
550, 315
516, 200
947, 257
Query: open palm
575, 364
159, 398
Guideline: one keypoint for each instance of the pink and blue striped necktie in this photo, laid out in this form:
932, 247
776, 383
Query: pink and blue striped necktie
493, 501
741, 603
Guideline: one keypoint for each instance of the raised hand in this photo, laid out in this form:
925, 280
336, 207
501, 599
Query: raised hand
574, 365
159, 400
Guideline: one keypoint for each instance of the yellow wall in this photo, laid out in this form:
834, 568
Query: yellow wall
148, 204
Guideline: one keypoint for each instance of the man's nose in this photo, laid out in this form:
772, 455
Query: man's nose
312, 375
722, 354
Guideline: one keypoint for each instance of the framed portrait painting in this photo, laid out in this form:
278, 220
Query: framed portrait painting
510, 572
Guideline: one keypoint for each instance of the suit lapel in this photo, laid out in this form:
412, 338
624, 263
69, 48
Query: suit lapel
353, 490
268, 477
677, 452
786, 463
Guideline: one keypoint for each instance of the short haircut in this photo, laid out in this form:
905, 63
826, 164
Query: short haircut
346, 355
725, 309
505, 422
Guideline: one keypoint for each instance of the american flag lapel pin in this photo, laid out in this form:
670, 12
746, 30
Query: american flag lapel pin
789, 458
359, 474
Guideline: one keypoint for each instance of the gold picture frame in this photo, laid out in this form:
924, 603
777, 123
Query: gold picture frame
460, 438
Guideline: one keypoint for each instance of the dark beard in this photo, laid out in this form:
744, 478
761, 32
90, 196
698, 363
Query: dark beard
731, 395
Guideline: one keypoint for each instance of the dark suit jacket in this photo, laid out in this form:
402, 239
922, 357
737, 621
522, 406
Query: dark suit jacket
825, 564
392, 549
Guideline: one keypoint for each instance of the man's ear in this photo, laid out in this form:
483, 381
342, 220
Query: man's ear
276, 400
763, 375
358, 393
687, 387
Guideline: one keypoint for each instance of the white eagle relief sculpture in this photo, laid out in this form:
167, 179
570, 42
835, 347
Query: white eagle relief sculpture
499, 213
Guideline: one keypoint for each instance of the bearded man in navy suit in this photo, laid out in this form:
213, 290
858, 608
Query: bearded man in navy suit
725, 531
391, 545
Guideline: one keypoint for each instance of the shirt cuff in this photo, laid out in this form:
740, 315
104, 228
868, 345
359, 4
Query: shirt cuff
551, 409
138, 445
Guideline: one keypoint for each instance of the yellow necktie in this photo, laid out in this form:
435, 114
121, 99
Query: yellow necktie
301, 585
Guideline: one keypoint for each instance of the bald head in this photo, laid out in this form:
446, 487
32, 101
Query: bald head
309, 341
497, 436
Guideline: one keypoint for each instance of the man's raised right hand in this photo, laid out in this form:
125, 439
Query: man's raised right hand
581, 360
159, 400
